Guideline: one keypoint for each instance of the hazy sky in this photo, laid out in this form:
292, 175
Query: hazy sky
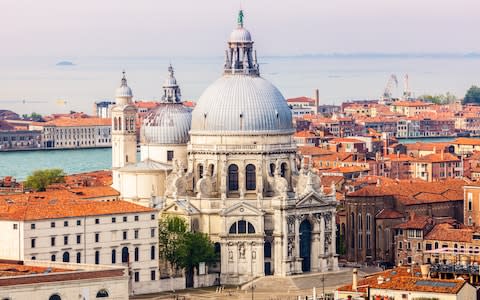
193, 27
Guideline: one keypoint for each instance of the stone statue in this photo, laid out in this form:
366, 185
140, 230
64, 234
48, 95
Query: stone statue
241, 250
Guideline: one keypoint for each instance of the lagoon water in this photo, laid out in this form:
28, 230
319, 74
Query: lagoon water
36, 83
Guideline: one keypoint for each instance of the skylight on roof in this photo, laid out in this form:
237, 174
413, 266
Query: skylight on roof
435, 283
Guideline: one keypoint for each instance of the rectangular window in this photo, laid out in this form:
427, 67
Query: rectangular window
428, 246
79, 222
152, 232
97, 221
52, 225
65, 223
79, 239
137, 276
97, 237
114, 220
400, 245
97, 257
135, 233
169, 155
125, 219
136, 218
52, 241
32, 226
124, 235
65, 240
152, 275
33, 243
152, 217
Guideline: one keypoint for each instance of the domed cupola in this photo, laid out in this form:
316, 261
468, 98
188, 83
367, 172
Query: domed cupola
123, 94
241, 102
170, 122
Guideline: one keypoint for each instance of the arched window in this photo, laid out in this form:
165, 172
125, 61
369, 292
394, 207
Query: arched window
97, 257
119, 123
272, 169
114, 256
55, 297
368, 222
233, 178
125, 255
115, 123
217, 248
54, 257
152, 253
211, 169
200, 171
283, 169
126, 123
102, 294
242, 227
250, 178
132, 123
136, 254
436, 245
79, 257
66, 257
360, 222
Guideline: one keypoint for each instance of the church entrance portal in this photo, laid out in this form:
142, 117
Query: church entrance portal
305, 244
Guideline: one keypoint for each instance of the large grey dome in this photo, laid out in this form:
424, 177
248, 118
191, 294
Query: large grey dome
241, 103
169, 123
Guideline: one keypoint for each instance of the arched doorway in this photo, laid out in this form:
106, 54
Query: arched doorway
305, 244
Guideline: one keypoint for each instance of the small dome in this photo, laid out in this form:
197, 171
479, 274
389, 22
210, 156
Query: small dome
240, 35
242, 104
169, 123
124, 90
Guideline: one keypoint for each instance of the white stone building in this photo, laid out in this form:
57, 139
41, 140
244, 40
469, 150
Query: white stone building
54, 226
33, 279
236, 174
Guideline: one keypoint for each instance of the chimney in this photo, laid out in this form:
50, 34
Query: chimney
441, 154
355, 280
424, 269
317, 100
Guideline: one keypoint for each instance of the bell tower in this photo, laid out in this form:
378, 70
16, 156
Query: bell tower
124, 137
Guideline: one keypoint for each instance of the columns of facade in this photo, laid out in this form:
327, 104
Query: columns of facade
323, 266
241, 179
316, 245
333, 246
259, 179
260, 258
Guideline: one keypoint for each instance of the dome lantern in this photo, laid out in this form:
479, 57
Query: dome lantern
123, 94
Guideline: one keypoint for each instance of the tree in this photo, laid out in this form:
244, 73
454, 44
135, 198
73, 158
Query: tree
171, 230
439, 99
181, 248
39, 180
33, 116
195, 248
472, 95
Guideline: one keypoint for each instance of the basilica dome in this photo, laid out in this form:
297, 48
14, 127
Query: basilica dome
170, 122
241, 101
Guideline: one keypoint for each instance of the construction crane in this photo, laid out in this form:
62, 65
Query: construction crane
392, 81
407, 95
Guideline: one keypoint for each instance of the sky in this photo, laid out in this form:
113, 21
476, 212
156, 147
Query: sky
199, 28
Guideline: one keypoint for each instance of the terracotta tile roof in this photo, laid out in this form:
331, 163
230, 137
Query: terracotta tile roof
466, 141
346, 140
305, 134
447, 232
427, 146
388, 213
348, 169
95, 178
74, 122
411, 103
189, 103
327, 180
401, 279
60, 204
417, 284
300, 100
437, 157
10, 269
411, 192
312, 150
416, 222
398, 157
146, 104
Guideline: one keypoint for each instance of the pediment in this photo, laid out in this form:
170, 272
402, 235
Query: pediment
313, 198
242, 209
181, 206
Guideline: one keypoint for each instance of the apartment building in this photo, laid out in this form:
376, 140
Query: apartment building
57, 226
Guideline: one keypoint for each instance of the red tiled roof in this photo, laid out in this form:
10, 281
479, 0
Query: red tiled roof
437, 157
74, 122
312, 150
411, 192
416, 222
388, 213
300, 100
411, 103
60, 204
345, 140
305, 134
467, 141
446, 232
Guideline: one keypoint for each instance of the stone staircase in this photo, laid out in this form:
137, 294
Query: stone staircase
271, 283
